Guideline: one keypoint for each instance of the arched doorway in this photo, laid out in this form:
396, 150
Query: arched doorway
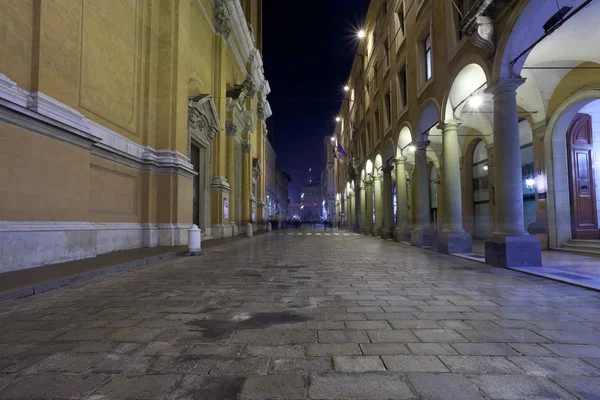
582, 182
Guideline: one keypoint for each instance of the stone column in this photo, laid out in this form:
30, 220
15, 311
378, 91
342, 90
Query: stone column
421, 234
388, 203
453, 238
509, 245
368, 217
358, 195
378, 226
348, 214
230, 131
401, 233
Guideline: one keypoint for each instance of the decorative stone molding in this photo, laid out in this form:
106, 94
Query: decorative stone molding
10, 91
249, 86
478, 23
483, 37
220, 184
249, 121
438, 176
230, 128
261, 112
46, 105
246, 146
203, 119
222, 19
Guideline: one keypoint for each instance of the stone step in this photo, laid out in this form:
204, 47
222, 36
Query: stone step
581, 248
582, 242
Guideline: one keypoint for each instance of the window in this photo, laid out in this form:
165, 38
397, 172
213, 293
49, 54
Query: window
402, 90
427, 48
401, 18
388, 108
376, 131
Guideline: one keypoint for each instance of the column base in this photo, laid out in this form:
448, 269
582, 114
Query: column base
454, 242
513, 251
387, 233
221, 230
423, 238
401, 235
377, 231
234, 229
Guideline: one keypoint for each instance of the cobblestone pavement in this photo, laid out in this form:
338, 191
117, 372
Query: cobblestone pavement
305, 316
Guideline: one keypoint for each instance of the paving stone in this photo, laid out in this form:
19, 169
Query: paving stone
164, 349
394, 336
188, 365
404, 363
193, 387
274, 338
531, 349
480, 365
383, 349
554, 365
358, 386
431, 348
574, 350
274, 387
224, 350
64, 363
593, 361
444, 386
325, 325
484, 349
346, 364
519, 387
332, 349
342, 336
571, 337
138, 387
453, 324
53, 386
367, 325
314, 365
584, 387
123, 364
274, 351
134, 334
438, 335
501, 335
17, 363
86, 334
241, 366
414, 324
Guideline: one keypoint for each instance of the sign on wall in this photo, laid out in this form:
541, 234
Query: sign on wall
225, 208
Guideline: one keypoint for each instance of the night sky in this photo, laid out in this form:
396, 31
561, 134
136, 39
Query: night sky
308, 49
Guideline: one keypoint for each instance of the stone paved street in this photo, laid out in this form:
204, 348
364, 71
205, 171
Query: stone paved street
305, 316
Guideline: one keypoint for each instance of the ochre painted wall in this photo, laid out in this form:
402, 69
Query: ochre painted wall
42, 179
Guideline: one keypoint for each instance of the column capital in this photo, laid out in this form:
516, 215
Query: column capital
452, 124
376, 176
387, 169
422, 145
506, 85
400, 160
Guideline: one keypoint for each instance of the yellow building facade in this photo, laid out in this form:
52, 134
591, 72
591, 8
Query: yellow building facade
468, 120
124, 122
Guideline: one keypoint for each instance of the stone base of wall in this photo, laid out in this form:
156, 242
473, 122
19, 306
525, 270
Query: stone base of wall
25, 244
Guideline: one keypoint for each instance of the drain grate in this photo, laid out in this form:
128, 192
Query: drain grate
569, 276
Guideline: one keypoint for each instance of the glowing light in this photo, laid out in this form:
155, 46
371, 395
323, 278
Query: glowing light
485, 167
337, 119
476, 101
346, 88
412, 148
323, 202
332, 139
529, 182
301, 207
361, 34
302, 196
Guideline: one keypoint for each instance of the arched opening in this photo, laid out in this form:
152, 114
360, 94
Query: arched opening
433, 197
481, 194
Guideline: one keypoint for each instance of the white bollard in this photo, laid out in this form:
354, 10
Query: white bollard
194, 234
269, 227
249, 230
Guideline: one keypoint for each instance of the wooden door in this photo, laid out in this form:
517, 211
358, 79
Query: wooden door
584, 214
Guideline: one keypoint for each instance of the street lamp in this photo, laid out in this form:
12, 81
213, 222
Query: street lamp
361, 34
337, 119
476, 101
346, 88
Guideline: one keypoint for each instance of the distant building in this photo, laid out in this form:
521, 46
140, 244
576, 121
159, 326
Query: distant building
310, 201
276, 187
327, 180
